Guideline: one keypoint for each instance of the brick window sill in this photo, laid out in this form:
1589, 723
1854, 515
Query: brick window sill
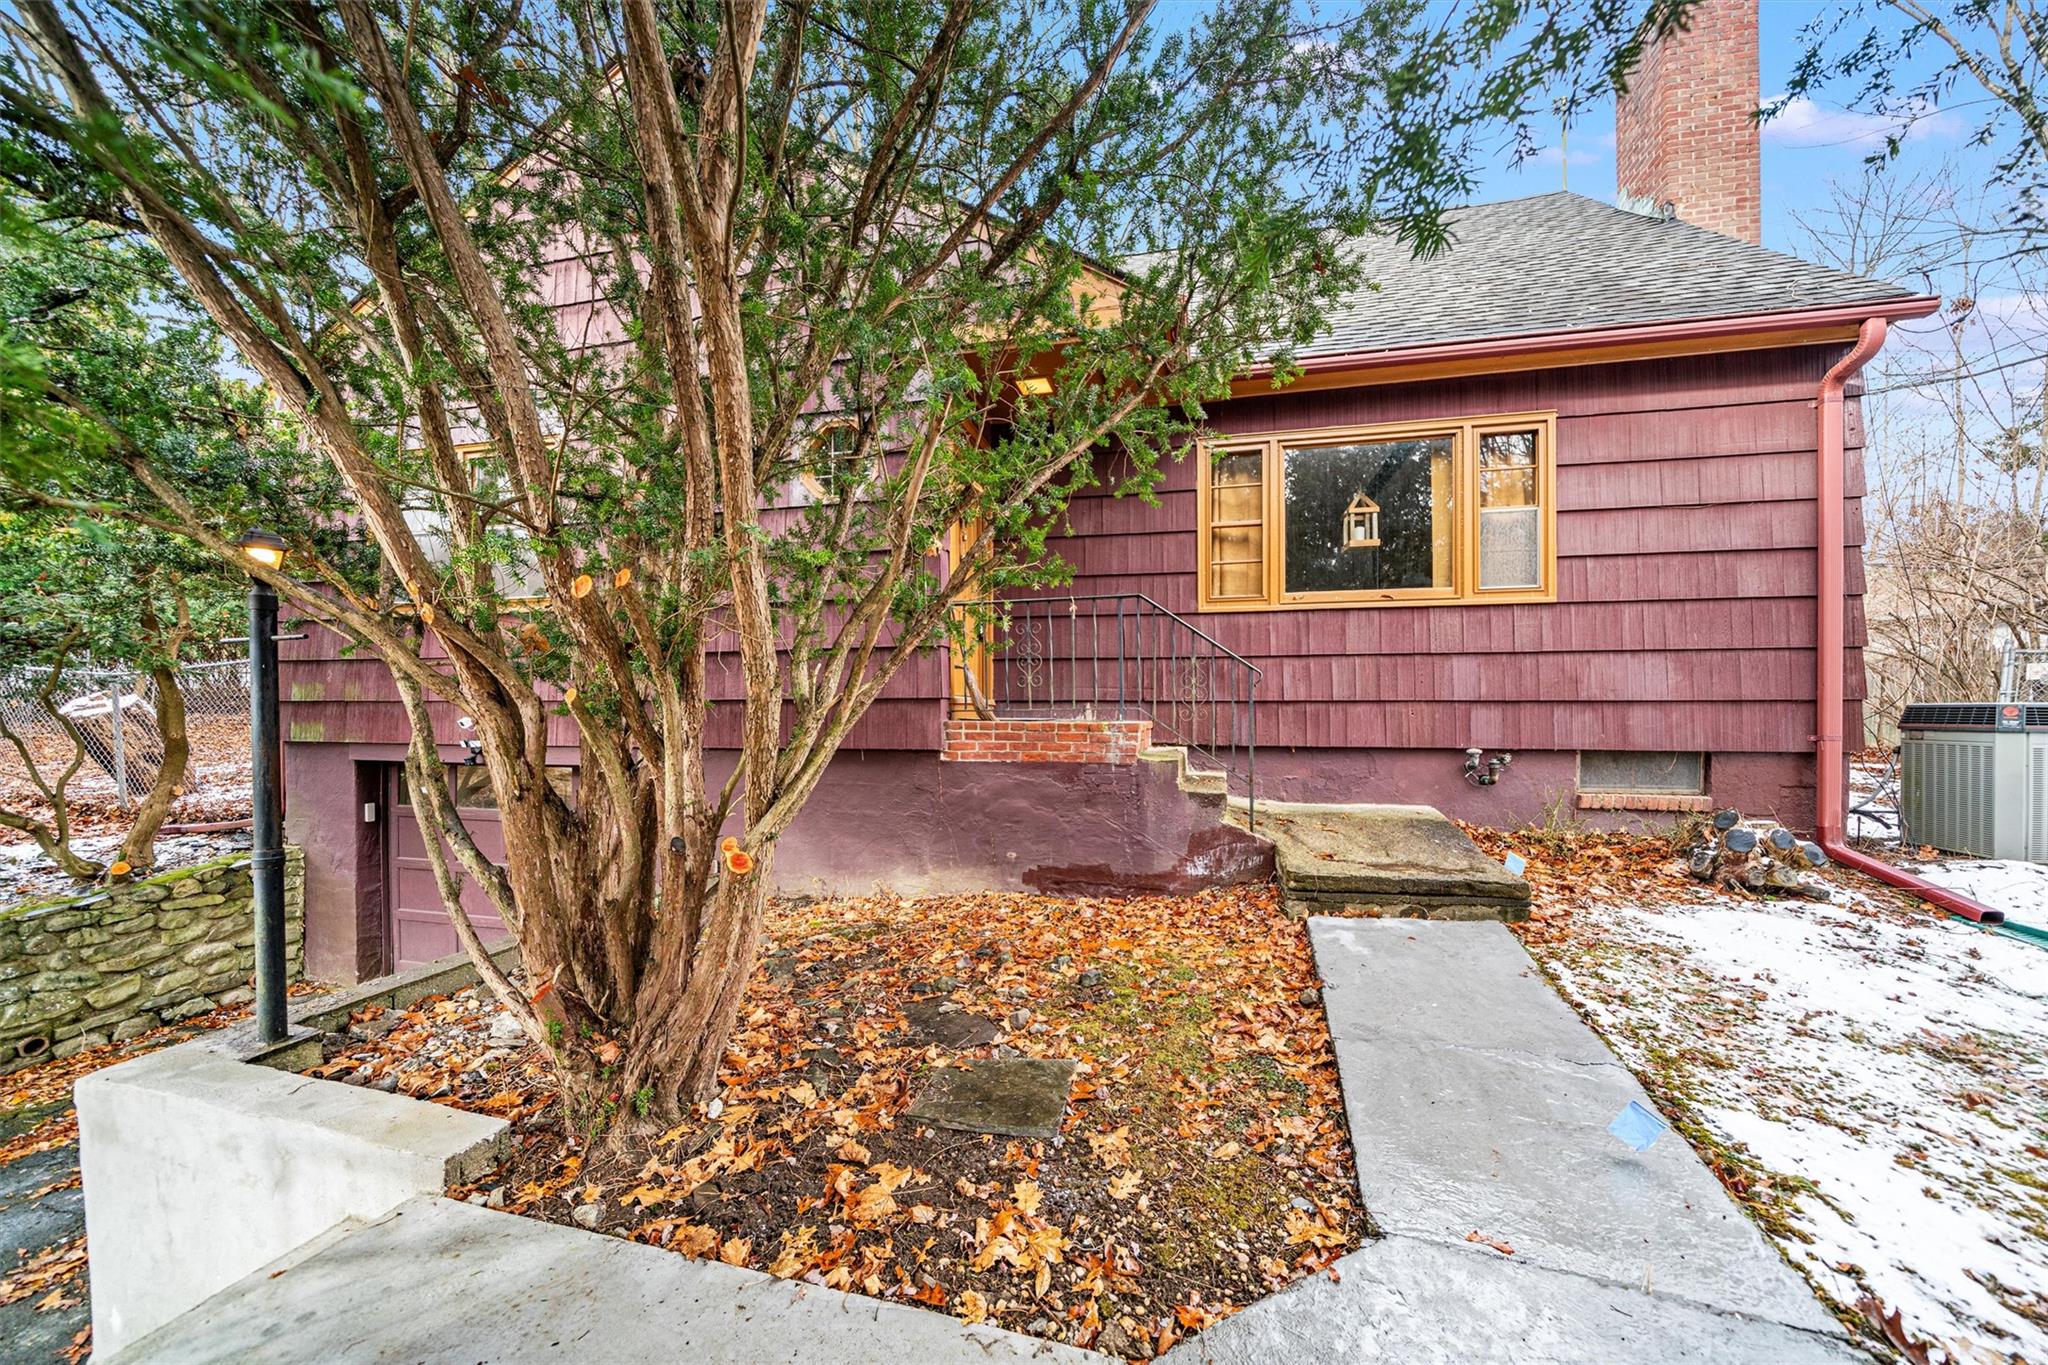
1643, 801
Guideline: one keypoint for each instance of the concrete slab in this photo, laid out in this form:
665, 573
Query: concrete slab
1386, 860
435, 1280
199, 1168
1413, 1302
1431, 982
1014, 1096
1478, 1101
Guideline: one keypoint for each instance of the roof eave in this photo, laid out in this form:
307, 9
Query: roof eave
1579, 341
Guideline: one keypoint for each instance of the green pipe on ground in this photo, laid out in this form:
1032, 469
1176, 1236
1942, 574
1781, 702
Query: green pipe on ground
2025, 933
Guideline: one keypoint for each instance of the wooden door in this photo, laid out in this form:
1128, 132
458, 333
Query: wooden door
973, 670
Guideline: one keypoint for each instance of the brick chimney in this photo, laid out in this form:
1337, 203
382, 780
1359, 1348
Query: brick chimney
1684, 134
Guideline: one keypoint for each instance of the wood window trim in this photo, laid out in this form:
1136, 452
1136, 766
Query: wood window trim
1464, 589
816, 492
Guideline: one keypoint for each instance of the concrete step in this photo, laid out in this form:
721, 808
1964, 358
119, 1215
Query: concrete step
434, 1280
1402, 861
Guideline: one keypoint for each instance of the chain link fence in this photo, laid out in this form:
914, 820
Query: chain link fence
2024, 678
114, 714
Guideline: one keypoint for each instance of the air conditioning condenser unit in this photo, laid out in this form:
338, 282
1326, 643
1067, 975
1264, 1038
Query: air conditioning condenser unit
1973, 778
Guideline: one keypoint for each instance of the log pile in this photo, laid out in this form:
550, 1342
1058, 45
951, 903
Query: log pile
1758, 859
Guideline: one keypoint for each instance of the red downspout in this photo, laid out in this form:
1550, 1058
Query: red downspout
1831, 644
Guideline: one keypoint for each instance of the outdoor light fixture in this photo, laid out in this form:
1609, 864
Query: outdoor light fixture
1034, 386
266, 786
264, 547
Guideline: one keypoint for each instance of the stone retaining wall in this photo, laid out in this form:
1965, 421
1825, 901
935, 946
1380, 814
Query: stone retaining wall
118, 961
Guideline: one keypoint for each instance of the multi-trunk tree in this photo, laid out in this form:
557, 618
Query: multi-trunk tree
666, 343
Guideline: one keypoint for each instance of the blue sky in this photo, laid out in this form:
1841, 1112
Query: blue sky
1803, 150
1807, 151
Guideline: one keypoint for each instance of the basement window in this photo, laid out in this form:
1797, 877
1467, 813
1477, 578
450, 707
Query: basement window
1635, 773
1461, 510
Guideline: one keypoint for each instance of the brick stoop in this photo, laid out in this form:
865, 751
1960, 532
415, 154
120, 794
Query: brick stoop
1011, 740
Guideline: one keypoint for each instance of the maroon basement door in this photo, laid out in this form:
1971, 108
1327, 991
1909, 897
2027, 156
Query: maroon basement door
419, 930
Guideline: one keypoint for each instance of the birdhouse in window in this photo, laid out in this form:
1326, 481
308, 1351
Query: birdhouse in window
1361, 529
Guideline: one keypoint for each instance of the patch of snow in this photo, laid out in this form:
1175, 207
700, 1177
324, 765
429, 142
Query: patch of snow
1895, 1061
25, 875
2018, 888
1873, 803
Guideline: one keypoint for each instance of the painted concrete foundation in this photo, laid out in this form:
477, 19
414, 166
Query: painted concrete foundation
116, 961
912, 824
201, 1166
1539, 787
880, 820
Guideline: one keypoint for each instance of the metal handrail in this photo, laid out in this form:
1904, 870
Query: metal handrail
1123, 650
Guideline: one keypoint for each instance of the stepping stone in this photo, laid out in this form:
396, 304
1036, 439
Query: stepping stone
1013, 1096
944, 1023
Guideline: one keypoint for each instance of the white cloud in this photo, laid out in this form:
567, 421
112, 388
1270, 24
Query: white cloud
2014, 306
1802, 123
1550, 156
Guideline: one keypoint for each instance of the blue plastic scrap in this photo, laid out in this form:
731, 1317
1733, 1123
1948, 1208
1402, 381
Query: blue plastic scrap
1638, 1127
1514, 863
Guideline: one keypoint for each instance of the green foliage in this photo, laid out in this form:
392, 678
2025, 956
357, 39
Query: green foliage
98, 361
1218, 170
673, 353
121, 594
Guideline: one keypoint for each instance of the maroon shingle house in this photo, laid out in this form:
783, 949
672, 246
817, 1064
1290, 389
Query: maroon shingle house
1556, 494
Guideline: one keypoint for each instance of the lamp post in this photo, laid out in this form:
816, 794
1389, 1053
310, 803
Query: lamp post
266, 786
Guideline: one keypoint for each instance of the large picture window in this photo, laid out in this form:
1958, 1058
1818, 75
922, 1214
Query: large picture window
1454, 510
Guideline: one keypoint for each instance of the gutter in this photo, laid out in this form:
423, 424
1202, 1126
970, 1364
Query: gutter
1831, 762
1601, 338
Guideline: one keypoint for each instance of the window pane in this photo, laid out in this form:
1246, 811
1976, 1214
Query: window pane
1237, 565
1507, 469
1510, 520
1403, 486
828, 471
1237, 541
1660, 773
470, 785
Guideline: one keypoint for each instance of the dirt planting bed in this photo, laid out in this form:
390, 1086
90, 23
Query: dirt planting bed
1202, 1159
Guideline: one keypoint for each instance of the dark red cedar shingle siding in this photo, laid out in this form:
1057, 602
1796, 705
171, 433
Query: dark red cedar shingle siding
1685, 573
1686, 529
331, 699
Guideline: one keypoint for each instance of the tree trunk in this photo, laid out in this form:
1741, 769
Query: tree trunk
55, 847
682, 1029
139, 848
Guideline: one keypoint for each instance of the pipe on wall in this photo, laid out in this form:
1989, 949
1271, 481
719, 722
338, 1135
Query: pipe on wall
1831, 759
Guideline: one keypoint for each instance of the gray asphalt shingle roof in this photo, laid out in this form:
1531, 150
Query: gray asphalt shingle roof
1558, 262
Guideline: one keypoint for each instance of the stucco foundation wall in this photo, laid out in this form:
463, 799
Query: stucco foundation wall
117, 961
1539, 787
880, 820
915, 825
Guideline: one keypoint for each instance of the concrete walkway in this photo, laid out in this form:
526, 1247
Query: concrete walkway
1479, 1103
435, 1280
40, 1210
